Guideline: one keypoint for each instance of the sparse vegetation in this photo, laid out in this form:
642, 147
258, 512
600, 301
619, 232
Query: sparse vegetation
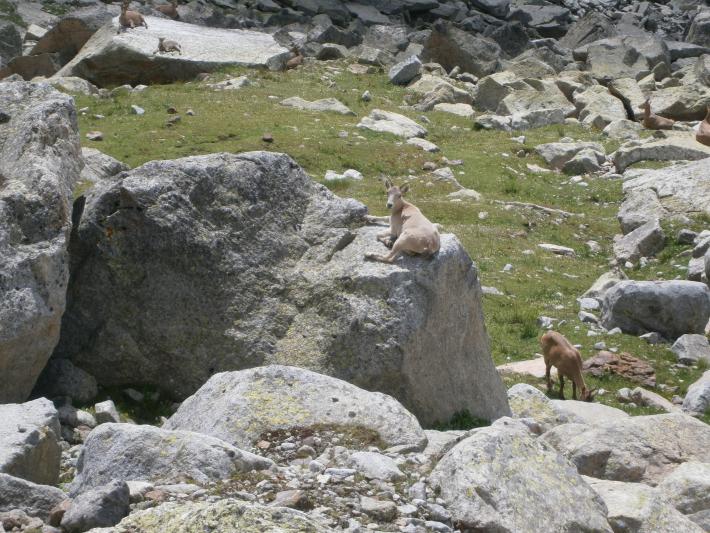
494, 234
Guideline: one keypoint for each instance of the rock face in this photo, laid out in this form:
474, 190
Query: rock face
29, 441
640, 448
688, 487
451, 47
697, 399
102, 506
130, 452
111, 58
638, 507
665, 192
61, 378
224, 515
35, 500
185, 268
238, 407
486, 481
40, 162
671, 308
681, 147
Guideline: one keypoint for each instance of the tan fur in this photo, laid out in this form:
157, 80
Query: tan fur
130, 19
559, 352
703, 133
654, 122
169, 10
295, 61
410, 231
166, 45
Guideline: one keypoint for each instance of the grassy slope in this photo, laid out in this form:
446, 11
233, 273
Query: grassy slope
539, 284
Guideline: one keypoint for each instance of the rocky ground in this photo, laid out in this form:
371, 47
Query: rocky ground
191, 339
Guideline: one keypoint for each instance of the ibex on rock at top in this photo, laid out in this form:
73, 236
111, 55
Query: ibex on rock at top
652, 121
410, 231
129, 19
703, 133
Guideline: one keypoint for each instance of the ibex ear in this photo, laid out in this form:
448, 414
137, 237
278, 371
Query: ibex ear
404, 188
388, 184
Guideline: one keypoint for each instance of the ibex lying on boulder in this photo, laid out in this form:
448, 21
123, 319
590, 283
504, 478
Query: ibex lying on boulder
129, 19
703, 133
169, 10
654, 122
166, 45
410, 232
296, 60
559, 352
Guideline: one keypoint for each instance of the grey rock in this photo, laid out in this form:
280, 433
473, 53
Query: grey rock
686, 236
99, 166
485, 479
367, 55
667, 192
547, 20
671, 308
106, 412
597, 107
451, 47
29, 441
111, 58
540, 105
73, 85
41, 164
585, 161
103, 506
692, 348
593, 26
673, 148
687, 101
647, 398
157, 455
394, 123
640, 207
697, 399
699, 31
191, 241
638, 507
31, 498
644, 241
557, 154
368, 14
604, 283
330, 105
73, 417
61, 378
497, 8
374, 465
687, 487
405, 71
224, 515
10, 42
635, 449
238, 407
381, 510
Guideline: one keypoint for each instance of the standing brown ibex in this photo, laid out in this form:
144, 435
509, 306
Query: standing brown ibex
129, 19
703, 133
410, 231
652, 121
559, 352
296, 59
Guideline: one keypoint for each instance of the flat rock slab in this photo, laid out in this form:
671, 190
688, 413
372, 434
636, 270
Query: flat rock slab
238, 407
681, 189
324, 105
130, 57
529, 367
394, 123
130, 452
29, 441
682, 147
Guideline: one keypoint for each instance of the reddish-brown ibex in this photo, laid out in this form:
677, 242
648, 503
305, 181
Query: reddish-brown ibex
559, 352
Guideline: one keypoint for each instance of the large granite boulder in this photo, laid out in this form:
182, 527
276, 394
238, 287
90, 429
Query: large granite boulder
598, 107
548, 20
10, 42
39, 163
238, 407
130, 452
697, 399
102, 506
638, 507
639, 448
221, 516
687, 487
451, 47
111, 58
645, 241
681, 189
681, 147
699, 31
72, 32
185, 268
671, 308
682, 102
29, 441
501, 477
30, 498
